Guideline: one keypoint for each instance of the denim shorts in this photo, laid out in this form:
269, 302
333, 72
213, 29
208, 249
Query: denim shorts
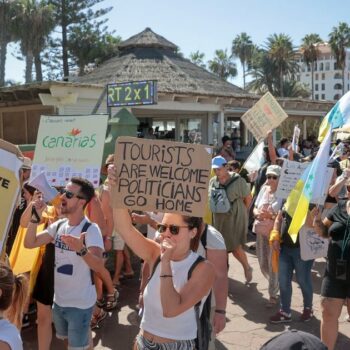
73, 324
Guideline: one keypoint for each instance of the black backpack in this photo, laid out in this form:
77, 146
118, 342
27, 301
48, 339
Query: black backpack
204, 327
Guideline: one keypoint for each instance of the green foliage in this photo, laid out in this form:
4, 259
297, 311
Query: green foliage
198, 59
222, 65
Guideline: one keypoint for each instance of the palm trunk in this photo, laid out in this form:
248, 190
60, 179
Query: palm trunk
64, 41
3, 51
29, 67
281, 83
343, 78
38, 68
312, 80
243, 66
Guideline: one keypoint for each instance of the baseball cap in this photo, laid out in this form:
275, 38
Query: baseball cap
218, 162
294, 340
273, 170
27, 163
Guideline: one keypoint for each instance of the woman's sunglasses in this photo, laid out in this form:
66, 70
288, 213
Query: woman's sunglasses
174, 229
69, 194
272, 177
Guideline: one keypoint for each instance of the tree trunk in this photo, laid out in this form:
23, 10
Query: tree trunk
343, 77
64, 41
29, 67
3, 50
243, 66
312, 80
38, 68
281, 83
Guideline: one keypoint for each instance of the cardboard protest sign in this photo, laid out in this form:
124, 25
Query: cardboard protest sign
312, 246
265, 115
70, 146
155, 175
291, 172
10, 164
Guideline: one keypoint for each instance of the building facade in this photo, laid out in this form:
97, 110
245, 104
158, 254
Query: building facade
328, 83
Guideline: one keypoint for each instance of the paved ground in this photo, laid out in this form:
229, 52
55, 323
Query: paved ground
247, 325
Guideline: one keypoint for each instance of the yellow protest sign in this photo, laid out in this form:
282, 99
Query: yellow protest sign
10, 165
265, 115
70, 146
162, 176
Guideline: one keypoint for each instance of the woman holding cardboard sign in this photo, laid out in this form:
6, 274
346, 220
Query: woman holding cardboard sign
169, 318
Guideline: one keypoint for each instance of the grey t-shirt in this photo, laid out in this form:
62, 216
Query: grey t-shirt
215, 241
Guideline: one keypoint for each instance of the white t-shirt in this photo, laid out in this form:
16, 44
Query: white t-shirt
10, 335
265, 198
282, 152
73, 280
215, 241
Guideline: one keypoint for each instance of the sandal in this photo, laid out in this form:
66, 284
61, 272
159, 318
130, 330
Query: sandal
96, 319
111, 300
100, 303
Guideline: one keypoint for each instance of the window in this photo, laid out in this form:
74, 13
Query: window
316, 87
323, 97
308, 68
338, 86
323, 76
316, 76
298, 77
335, 66
337, 76
336, 97
321, 66
327, 66
323, 86
316, 97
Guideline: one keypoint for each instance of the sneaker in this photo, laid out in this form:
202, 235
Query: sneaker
307, 315
25, 321
281, 317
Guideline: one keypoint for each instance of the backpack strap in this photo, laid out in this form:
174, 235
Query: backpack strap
232, 180
84, 229
204, 237
156, 263
189, 274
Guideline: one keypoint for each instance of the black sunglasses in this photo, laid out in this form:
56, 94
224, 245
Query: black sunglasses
69, 194
174, 229
272, 177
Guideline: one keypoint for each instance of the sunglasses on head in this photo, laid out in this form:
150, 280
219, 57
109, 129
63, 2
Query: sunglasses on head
174, 229
69, 194
274, 177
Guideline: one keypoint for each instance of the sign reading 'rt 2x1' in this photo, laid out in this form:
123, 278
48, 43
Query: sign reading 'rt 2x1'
132, 93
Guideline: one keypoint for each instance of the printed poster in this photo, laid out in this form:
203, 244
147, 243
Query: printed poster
70, 146
265, 115
10, 164
162, 176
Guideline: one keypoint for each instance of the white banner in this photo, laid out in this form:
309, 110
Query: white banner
312, 246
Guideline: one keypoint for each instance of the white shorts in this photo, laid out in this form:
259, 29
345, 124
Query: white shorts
118, 242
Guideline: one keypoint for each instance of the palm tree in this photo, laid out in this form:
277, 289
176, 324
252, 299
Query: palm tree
280, 50
36, 15
339, 39
310, 54
222, 65
242, 48
198, 58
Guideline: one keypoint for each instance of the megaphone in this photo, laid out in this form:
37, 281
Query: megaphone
50, 194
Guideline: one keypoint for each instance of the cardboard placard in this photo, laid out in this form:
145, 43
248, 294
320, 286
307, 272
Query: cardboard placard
10, 164
156, 175
312, 246
291, 172
70, 146
265, 115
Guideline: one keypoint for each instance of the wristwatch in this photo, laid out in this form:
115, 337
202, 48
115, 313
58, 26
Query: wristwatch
82, 252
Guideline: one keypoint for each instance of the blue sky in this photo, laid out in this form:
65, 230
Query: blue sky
207, 25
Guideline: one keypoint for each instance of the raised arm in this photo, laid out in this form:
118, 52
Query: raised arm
271, 147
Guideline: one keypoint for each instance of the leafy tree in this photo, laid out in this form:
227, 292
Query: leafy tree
339, 39
310, 54
36, 15
242, 48
72, 14
222, 65
7, 12
198, 58
281, 52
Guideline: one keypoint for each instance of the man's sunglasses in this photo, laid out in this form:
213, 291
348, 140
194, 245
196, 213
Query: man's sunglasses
174, 229
69, 194
272, 177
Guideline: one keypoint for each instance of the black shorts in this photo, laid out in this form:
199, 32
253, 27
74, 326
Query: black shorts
44, 285
333, 288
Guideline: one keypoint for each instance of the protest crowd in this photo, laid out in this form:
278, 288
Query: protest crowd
183, 286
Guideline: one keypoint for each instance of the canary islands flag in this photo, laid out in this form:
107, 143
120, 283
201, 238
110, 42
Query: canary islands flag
338, 116
311, 185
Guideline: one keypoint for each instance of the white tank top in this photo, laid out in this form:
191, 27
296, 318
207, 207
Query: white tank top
181, 327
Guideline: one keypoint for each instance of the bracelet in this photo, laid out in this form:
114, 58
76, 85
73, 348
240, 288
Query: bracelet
164, 276
220, 311
34, 221
108, 238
